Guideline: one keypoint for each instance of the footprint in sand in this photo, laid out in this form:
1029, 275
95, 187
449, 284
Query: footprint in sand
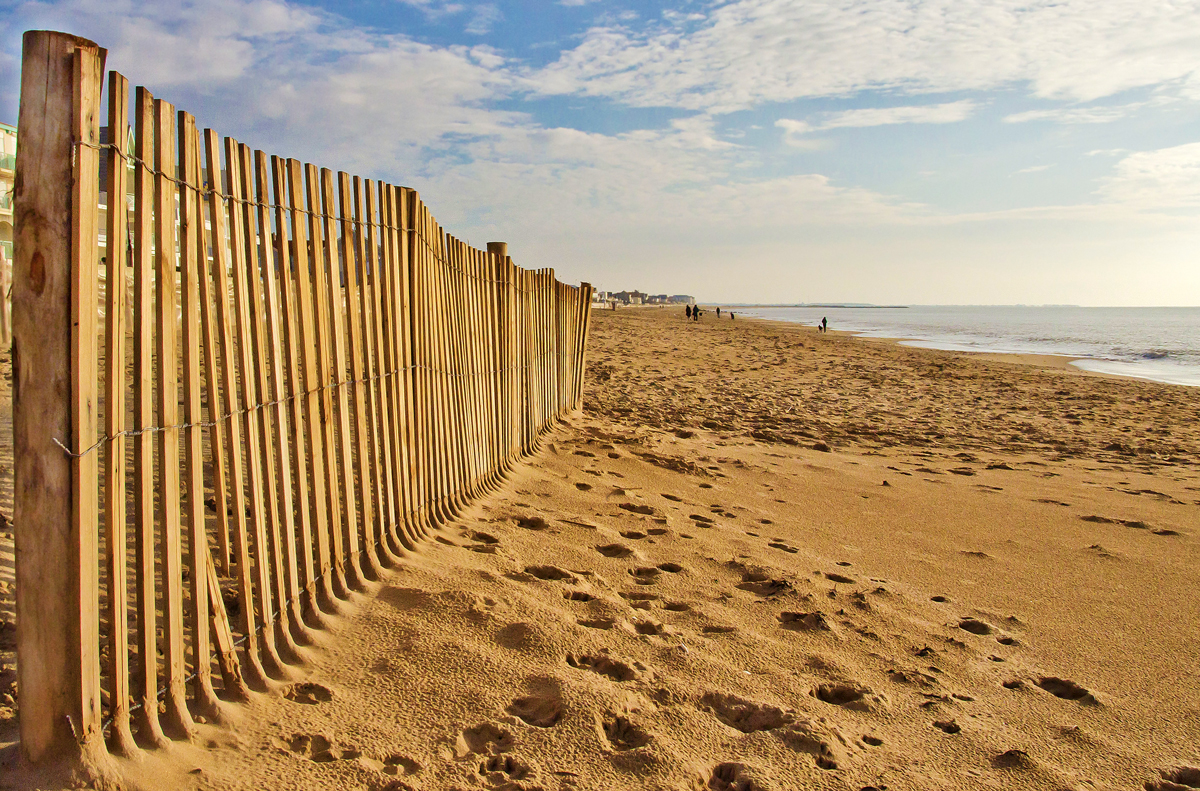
551, 573
649, 628
1013, 759
308, 693
732, 776
717, 629
636, 508
597, 623
532, 522
1177, 778
670, 568
782, 546
645, 575
633, 535
615, 551
947, 726
577, 596
677, 606
974, 626
744, 715
848, 696
583, 487
804, 621
603, 665
765, 588
835, 577
1067, 690
483, 739
400, 764
319, 749
542, 709
672, 498
621, 734
807, 736
503, 771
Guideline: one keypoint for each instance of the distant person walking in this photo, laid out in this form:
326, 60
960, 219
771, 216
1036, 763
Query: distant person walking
824, 324
718, 311
688, 309
731, 314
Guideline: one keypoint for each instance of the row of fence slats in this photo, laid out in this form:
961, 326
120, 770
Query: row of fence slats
342, 376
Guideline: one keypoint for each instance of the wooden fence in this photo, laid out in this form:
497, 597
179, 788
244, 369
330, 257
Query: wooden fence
265, 385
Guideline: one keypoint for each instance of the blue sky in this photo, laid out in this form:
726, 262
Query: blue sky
919, 151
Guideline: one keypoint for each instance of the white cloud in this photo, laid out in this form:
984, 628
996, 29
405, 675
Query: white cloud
1165, 178
1035, 169
750, 52
948, 113
1073, 115
483, 18
435, 9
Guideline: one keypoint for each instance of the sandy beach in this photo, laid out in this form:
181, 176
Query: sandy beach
766, 558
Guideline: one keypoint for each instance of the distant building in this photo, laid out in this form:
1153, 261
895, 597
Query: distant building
8, 166
641, 298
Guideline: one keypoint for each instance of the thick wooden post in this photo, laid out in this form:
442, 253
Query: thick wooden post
55, 397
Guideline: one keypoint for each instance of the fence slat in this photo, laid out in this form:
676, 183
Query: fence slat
380, 425
308, 250
192, 252
149, 728
115, 387
337, 414
178, 721
349, 210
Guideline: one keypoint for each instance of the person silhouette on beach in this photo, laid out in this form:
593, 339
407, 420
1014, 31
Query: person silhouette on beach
688, 309
824, 324
718, 312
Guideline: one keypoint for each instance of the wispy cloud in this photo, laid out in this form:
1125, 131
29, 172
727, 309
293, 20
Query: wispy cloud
1074, 115
751, 52
1164, 178
435, 9
1035, 169
483, 18
795, 131
948, 113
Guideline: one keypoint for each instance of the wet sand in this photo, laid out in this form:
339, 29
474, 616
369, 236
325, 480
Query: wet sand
767, 558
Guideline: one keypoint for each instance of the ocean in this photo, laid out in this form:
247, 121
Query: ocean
1160, 344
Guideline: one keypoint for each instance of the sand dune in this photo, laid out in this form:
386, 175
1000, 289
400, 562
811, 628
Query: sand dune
767, 559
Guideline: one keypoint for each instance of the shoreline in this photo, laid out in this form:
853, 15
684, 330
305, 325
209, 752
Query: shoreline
1061, 362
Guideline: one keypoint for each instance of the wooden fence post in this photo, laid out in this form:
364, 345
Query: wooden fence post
55, 394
